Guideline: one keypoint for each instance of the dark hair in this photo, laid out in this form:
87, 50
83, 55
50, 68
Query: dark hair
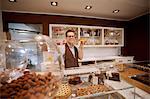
69, 31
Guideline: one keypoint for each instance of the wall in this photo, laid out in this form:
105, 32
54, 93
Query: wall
137, 38
45, 20
1, 24
55, 19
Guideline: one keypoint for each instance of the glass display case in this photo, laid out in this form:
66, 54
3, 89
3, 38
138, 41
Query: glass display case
91, 36
97, 83
57, 33
19, 80
38, 54
137, 73
113, 36
12, 54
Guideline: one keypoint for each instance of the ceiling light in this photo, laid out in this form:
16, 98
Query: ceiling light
12, 1
88, 7
54, 3
116, 11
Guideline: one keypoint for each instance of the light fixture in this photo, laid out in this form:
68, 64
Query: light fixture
88, 7
12, 1
116, 11
54, 3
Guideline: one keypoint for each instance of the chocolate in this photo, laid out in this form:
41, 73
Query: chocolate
75, 80
29, 85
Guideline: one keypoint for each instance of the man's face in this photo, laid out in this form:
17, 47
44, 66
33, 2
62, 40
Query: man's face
70, 37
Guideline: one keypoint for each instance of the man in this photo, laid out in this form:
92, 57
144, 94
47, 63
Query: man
70, 52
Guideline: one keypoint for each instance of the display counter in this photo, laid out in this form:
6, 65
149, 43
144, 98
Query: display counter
77, 83
120, 92
122, 59
130, 73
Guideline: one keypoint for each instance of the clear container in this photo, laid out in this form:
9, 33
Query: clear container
37, 54
40, 55
48, 54
12, 55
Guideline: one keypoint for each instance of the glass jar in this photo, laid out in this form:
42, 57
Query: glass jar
12, 55
48, 54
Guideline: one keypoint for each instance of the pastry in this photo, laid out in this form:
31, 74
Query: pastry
91, 90
63, 92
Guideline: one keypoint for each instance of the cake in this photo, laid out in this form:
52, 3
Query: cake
115, 77
75, 80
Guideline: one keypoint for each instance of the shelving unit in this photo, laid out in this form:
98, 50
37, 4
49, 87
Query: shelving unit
93, 36
57, 32
113, 36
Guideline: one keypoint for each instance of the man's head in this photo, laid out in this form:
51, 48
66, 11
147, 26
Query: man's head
70, 37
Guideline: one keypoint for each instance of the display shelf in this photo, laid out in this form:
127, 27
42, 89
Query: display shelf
93, 36
57, 33
113, 36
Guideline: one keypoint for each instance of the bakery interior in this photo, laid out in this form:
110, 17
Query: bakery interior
115, 64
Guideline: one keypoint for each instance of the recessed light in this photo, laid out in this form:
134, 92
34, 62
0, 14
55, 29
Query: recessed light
54, 3
12, 1
88, 7
116, 11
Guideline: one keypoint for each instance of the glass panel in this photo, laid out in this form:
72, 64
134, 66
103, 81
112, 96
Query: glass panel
91, 36
25, 34
20, 31
58, 33
112, 37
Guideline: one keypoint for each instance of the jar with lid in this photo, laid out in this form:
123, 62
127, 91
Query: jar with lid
12, 54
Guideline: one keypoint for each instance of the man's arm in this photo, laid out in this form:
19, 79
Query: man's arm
80, 51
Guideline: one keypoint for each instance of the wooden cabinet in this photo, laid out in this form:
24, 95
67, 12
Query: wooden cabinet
93, 36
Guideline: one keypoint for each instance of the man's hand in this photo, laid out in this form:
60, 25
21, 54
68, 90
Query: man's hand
81, 44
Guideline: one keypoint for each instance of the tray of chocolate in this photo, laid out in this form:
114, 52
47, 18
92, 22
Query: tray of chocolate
99, 91
30, 86
84, 85
143, 78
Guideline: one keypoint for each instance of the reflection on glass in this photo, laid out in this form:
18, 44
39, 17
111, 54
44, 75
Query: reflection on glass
91, 36
58, 33
112, 37
14, 54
